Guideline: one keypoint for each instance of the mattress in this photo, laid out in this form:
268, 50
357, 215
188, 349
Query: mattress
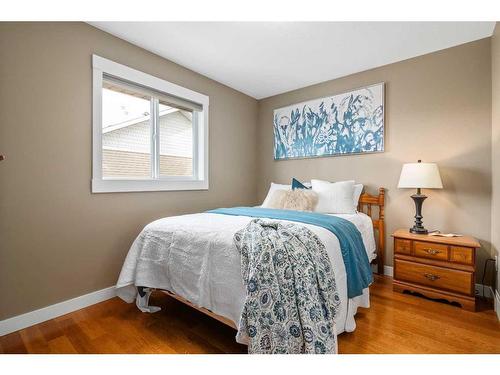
194, 256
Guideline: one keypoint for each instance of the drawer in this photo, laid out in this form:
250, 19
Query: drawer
435, 277
464, 255
402, 246
430, 250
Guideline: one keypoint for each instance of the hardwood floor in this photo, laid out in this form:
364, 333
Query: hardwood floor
395, 323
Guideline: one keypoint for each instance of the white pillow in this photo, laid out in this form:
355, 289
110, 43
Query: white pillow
272, 189
334, 198
358, 189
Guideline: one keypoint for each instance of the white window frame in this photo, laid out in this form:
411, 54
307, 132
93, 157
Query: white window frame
199, 180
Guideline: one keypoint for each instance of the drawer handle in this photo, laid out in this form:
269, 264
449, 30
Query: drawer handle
431, 277
432, 251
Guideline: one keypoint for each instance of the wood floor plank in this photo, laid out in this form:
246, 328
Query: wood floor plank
61, 345
13, 343
50, 329
34, 340
76, 336
395, 323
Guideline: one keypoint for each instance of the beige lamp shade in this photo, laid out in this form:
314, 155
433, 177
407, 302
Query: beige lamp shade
420, 175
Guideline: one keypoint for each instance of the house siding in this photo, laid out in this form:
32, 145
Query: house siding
116, 163
127, 151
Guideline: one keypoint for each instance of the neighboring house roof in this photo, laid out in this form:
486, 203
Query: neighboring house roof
134, 135
134, 121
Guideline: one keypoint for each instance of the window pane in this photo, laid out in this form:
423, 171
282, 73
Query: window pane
176, 141
126, 133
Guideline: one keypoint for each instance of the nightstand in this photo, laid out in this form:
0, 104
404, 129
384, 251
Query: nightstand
437, 267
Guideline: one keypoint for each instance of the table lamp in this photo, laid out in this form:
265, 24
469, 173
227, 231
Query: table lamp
419, 176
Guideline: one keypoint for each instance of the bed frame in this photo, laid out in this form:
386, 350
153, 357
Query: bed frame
366, 202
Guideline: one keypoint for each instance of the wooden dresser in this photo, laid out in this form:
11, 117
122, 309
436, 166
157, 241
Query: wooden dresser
437, 267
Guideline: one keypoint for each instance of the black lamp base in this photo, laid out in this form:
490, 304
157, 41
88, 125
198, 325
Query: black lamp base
418, 228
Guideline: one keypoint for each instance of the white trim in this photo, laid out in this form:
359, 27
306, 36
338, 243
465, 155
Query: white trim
53, 311
389, 271
121, 71
497, 304
109, 185
96, 124
195, 121
199, 181
155, 138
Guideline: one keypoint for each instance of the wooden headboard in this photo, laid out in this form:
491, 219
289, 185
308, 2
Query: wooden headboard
366, 201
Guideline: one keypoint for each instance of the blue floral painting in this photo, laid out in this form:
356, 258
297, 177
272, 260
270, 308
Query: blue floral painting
349, 123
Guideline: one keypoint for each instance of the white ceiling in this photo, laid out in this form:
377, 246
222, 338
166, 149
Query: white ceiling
263, 59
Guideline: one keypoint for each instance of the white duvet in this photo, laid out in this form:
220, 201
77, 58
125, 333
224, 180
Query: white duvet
195, 257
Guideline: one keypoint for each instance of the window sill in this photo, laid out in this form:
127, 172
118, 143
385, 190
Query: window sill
121, 186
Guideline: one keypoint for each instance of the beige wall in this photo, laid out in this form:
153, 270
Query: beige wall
438, 108
57, 240
495, 204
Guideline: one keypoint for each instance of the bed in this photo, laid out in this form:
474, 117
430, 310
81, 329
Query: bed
192, 258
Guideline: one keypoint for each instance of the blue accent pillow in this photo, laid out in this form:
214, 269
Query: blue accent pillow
296, 184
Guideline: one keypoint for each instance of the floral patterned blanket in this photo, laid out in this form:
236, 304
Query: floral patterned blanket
292, 297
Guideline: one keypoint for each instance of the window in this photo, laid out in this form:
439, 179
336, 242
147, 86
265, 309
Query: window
148, 134
126, 132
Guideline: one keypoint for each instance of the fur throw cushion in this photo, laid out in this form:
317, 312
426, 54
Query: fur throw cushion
299, 200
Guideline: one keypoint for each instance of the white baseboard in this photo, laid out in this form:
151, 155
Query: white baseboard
50, 312
497, 304
388, 271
